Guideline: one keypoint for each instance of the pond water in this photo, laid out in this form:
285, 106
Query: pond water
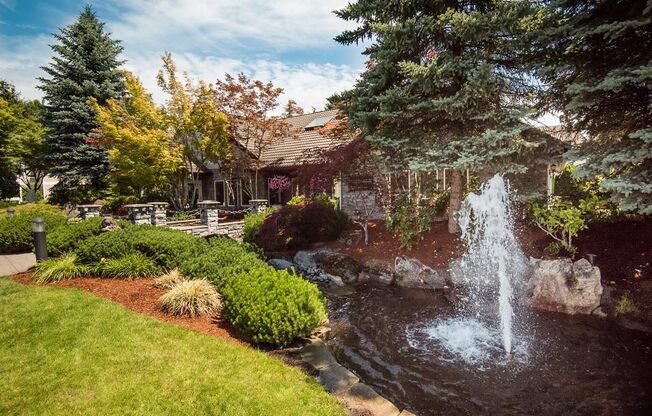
414, 349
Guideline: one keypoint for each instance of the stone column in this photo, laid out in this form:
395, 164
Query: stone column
258, 205
208, 214
139, 214
159, 210
89, 211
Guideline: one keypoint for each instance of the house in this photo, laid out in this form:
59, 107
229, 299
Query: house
234, 187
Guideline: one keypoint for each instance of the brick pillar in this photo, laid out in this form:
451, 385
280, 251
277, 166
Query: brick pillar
258, 205
208, 214
159, 210
140, 214
89, 211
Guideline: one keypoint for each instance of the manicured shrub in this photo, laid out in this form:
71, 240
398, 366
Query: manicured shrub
166, 247
191, 298
16, 232
169, 279
131, 266
272, 306
109, 245
60, 268
221, 259
252, 223
296, 226
68, 237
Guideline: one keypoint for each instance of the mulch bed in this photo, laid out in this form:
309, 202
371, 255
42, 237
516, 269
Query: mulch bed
141, 296
437, 248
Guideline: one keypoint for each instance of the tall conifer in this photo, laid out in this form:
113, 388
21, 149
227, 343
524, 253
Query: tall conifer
597, 59
444, 87
85, 65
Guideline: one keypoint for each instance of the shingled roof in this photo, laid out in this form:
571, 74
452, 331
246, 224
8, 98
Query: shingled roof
293, 151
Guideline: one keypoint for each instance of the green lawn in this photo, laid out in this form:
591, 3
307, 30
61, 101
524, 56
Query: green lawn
64, 352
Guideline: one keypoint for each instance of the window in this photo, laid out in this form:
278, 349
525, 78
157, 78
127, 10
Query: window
360, 182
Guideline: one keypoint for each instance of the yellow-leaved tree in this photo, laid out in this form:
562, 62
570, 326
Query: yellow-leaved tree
196, 126
143, 153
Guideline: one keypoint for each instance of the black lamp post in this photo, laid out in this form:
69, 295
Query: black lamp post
40, 246
10, 212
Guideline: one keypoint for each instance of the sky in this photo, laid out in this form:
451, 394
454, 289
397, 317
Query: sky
289, 42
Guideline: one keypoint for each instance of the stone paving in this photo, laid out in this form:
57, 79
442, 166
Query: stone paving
344, 384
16, 263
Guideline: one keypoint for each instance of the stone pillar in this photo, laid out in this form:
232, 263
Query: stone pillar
159, 210
89, 211
139, 214
208, 214
258, 205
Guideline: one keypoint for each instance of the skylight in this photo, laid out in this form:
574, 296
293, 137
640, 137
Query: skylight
318, 122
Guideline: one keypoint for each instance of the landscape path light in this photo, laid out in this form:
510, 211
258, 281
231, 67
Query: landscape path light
40, 246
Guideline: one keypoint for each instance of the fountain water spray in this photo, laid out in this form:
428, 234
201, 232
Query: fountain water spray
493, 261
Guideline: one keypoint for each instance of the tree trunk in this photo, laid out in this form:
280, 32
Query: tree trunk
365, 227
455, 201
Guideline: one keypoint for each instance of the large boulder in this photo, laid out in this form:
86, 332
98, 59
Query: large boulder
281, 264
411, 272
563, 286
329, 262
377, 271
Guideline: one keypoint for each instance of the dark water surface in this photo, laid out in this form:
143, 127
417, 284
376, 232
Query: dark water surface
569, 365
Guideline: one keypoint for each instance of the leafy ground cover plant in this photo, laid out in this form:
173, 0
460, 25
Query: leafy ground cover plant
273, 307
131, 266
16, 232
60, 268
191, 298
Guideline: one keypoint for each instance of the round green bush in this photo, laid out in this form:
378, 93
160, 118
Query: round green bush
273, 306
109, 245
16, 232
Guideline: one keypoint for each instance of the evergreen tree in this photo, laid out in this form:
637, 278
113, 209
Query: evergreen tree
85, 66
597, 59
443, 86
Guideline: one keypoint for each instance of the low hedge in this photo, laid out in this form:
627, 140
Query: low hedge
68, 237
273, 306
16, 232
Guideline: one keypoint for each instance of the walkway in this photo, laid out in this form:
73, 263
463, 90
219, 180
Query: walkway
16, 263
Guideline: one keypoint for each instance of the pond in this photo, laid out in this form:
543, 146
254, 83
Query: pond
411, 346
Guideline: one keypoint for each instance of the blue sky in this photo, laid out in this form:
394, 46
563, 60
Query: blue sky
287, 41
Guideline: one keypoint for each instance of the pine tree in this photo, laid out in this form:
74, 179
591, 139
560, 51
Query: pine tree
597, 58
85, 66
443, 86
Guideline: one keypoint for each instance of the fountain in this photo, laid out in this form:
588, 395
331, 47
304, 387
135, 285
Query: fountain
493, 261
478, 354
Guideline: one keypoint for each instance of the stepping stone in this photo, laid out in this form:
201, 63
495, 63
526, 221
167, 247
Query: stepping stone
337, 379
361, 396
317, 355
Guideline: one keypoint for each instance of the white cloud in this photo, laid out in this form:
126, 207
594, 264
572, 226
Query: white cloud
309, 84
20, 62
218, 24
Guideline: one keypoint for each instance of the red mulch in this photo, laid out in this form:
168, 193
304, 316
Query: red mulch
141, 296
436, 249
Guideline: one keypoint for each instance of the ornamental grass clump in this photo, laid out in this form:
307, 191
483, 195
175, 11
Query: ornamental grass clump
60, 268
191, 298
131, 266
169, 279
273, 307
